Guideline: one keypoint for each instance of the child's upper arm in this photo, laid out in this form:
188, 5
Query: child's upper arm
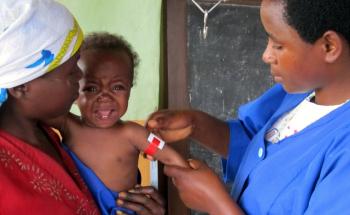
136, 134
62, 123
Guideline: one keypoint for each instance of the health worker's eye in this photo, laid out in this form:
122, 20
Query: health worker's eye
277, 47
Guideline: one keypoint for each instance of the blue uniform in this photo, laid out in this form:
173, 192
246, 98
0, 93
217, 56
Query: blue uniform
306, 173
105, 197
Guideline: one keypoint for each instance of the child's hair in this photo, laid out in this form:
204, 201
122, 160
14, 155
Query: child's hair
107, 41
312, 18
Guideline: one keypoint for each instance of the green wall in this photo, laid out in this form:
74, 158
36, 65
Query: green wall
139, 22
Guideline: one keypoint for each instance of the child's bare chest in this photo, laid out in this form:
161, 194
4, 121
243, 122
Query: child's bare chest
110, 156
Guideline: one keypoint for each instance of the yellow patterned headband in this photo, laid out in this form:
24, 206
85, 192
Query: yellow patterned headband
75, 35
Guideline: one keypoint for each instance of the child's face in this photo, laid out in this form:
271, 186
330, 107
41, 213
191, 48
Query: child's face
105, 87
53, 94
294, 63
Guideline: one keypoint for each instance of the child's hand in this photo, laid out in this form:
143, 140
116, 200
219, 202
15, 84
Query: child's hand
171, 126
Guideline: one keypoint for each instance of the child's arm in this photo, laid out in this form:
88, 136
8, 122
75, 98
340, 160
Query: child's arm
61, 123
139, 138
174, 125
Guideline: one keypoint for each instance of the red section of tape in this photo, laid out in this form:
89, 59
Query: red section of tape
152, 147
156, 141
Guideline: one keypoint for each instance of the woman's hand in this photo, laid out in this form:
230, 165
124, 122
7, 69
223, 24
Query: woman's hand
142, 200
171, 125
201, 189
175, 125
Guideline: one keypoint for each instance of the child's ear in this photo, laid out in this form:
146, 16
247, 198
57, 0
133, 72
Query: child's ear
332, 46
19, 91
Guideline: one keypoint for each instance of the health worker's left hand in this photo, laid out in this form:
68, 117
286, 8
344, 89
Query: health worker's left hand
201, 189
143, 200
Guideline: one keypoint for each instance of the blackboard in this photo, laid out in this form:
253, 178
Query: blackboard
225, 70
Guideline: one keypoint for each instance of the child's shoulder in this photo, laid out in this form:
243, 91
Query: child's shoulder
134, 130
131, 126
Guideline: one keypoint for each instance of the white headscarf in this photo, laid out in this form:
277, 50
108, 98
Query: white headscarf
36, 36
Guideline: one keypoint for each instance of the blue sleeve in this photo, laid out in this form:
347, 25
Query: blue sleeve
251, 118
332, 191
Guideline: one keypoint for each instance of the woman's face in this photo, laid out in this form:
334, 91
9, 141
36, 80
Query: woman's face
53, 93
294, 63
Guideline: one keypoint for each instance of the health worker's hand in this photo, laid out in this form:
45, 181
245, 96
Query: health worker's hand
201, 189
171, 125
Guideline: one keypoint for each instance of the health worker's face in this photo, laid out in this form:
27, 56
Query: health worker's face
105, 87
294, 63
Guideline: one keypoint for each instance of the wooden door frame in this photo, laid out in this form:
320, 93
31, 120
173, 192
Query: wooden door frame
176, 80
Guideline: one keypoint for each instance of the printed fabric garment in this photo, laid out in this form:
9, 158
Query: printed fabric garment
105, 197
31, 182
306, 173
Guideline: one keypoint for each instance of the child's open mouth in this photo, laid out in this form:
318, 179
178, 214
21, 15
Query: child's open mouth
104, 114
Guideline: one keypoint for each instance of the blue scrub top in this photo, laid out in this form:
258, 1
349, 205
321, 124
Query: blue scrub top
306, 173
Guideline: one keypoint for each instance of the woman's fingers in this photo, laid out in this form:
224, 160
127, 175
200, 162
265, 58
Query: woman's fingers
152, 123
171, 125
155, 120
176, 171
172, 135
152, 192
194, 164
196, 184
138, 208
142, 200
168, 120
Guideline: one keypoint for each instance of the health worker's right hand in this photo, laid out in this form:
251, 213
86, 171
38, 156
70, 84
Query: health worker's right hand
171, 125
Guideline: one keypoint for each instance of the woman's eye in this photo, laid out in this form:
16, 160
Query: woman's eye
274, 45
277, 47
